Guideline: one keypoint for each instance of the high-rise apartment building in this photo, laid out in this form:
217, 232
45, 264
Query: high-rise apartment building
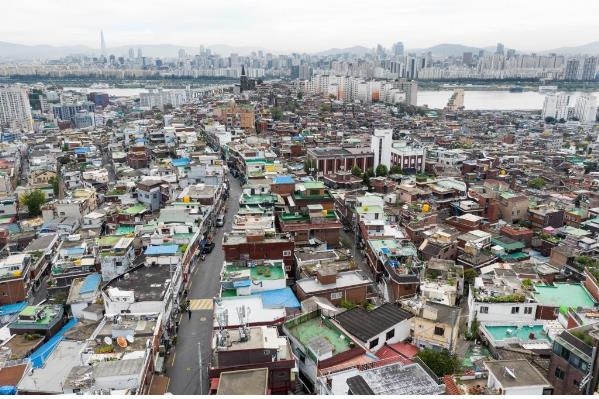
398, 49
571, 72
589, 68
586, 108
500, 48
15, 111
556, 106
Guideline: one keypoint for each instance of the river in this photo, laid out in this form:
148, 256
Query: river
435, 99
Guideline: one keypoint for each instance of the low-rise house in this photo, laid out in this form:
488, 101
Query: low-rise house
44, 320
387, 324
435, 326
395, 265
351, 286
318, 344
248, 277
381, 378
500, 299
15, 278
116, 255
250, 348
83, 293
315, 224
443, 282
516, 377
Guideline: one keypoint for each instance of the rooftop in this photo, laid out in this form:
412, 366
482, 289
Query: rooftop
395, 379
365, 324
564, 295
524, 374
243, 382
310, 328
344, 279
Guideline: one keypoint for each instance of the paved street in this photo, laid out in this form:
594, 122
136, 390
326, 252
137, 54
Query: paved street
183, 363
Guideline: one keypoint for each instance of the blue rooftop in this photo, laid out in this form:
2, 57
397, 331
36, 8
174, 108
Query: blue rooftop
75, 251
91, 283
242, 283
39, 357
12, 308
180, 162
161, 250
283, 180
81, 150
281, 298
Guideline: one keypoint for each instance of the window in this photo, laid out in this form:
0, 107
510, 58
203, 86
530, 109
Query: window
559, 373
374, 343
439, 331
484, 309
390, 334
287, 253
336, 295
515, 309
528, 310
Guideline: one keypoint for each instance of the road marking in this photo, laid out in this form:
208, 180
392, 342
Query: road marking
173, 361
202, 319
201, 304
190, 284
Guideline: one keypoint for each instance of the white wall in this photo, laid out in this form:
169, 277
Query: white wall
402, 332
499, 312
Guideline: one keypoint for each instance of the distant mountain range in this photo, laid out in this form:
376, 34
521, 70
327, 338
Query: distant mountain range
13, 51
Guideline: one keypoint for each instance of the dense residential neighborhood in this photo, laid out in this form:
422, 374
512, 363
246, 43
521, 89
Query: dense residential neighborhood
276, 237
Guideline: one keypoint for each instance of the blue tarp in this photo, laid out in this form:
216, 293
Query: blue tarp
161, 250
12, 308
283, 180
39, 357
242, 283
90, 284
8, 390
180, 162
81, 150
280, 298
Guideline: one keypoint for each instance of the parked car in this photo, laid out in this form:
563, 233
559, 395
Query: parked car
208, 247
220, 221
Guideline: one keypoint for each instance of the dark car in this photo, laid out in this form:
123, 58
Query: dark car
347, 228
208, 247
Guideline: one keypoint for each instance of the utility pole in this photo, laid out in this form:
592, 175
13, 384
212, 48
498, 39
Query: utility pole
201, 368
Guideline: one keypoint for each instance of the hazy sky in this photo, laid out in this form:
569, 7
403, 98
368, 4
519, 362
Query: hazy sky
304, 25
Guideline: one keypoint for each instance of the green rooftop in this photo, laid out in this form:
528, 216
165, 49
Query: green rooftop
575, 232
124, 230
135, 209
313, 185
316, 327
564, 295
508, 245
108, 241
257, 199
369, 209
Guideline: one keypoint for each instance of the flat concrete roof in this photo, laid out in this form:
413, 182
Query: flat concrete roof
526, 375
244, 382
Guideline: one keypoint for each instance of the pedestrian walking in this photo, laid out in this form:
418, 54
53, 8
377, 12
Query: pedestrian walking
189, 313
185, 294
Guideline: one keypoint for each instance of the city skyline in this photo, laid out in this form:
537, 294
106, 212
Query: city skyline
274, 26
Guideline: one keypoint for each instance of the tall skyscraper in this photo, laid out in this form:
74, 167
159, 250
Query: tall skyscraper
15, 111
131, 53
139, 52
499, 48
467, 58
398, 49
102, 43
589, 68
572, 67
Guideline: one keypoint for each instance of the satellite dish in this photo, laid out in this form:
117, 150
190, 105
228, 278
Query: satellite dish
108, 340
121, 341
130, 338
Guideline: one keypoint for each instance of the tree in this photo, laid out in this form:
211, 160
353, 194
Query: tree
34, 201
366, 176
382, 170
109, 123
309, 165
276, 113
395, 170
469, 275
441, 363
300, 95
55, 185
536, 183
550, 119
356, 171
